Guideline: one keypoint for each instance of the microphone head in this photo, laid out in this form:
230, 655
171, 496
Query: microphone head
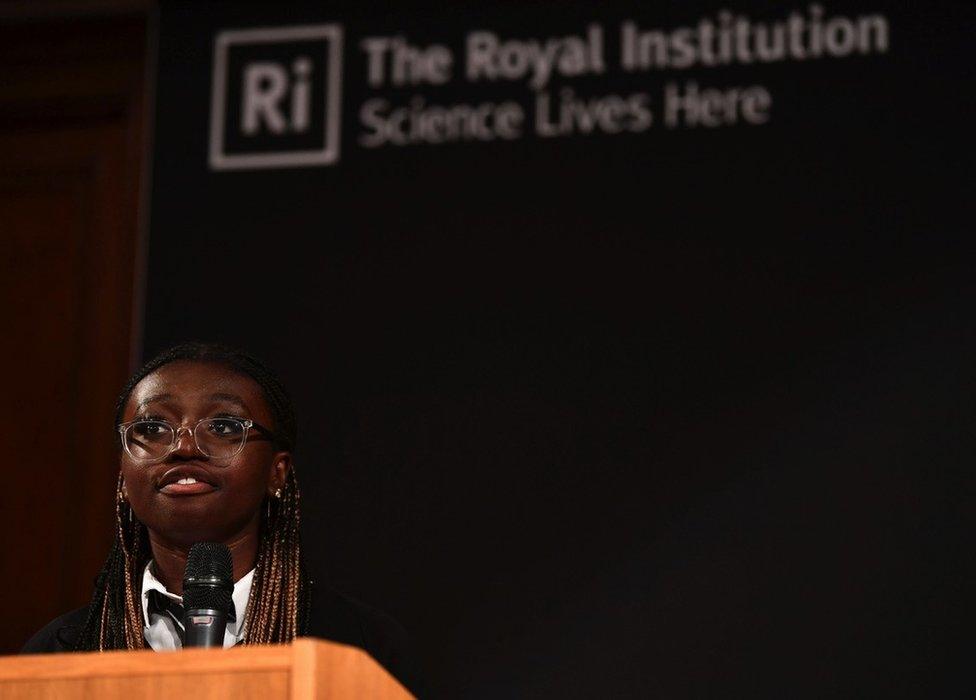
208, 581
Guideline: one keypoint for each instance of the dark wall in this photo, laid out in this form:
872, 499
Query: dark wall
672, 413
71, 152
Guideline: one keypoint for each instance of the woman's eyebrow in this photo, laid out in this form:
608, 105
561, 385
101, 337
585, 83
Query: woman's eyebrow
156, 397
230, 398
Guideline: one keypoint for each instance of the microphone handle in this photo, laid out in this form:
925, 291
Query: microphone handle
204, 628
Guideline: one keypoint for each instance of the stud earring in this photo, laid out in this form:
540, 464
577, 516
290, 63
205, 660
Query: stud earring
277, 495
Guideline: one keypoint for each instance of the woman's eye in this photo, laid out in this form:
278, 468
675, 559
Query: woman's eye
150, 429
225, 427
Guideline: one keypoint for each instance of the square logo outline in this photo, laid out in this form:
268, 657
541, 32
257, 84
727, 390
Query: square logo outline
333, 95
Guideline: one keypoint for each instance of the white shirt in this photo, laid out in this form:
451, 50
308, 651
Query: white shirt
160, 630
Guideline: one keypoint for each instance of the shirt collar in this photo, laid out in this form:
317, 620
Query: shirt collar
242, 591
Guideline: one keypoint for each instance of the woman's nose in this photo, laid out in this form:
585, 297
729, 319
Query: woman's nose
186, 444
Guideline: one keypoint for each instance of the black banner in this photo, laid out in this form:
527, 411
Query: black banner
627, 340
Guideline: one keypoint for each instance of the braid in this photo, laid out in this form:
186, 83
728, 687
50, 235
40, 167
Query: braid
278, 607
115, 613
280, 600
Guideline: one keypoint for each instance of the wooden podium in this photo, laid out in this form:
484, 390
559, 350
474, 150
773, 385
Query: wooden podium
308, 669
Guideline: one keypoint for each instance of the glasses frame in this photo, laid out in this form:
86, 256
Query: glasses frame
247, 423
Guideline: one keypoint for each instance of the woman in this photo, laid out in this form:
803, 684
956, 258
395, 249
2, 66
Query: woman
206, 434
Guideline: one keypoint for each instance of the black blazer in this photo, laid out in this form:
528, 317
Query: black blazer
333, 616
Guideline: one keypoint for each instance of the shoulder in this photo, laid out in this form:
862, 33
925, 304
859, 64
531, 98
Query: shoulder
58, 635
342, 619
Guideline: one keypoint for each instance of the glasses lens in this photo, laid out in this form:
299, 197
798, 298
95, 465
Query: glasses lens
148, 439
220, 437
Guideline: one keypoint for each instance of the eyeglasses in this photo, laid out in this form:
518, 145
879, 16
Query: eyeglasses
152, 440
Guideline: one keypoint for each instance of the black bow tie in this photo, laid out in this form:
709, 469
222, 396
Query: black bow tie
161, 604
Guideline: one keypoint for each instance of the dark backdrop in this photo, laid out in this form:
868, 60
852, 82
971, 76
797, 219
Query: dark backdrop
678, 413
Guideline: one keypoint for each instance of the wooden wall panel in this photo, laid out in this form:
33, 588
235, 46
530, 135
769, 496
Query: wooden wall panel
71, 135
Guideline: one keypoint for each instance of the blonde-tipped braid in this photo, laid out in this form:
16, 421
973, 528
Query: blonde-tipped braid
276, 601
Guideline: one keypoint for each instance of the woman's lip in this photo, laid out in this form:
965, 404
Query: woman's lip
194, 489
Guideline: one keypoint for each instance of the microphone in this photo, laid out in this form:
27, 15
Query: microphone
208, 586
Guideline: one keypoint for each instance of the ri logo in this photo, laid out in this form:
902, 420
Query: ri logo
276, 97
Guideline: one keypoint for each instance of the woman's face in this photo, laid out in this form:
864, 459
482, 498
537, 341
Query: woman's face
226, 501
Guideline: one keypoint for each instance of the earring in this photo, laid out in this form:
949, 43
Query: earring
122, 500
277, 495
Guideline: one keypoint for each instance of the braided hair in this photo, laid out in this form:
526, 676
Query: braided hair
279, 602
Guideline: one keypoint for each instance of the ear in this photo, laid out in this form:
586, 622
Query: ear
280, 466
